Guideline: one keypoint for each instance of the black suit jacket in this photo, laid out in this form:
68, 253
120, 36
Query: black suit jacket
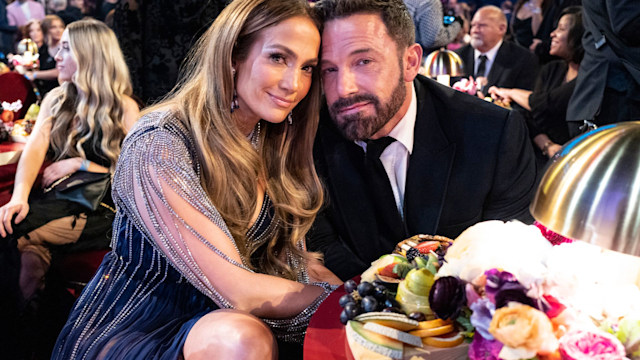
513, 67
471, 161
618, 21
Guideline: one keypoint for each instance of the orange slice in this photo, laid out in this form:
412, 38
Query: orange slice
440, 330
430, 324
446, 341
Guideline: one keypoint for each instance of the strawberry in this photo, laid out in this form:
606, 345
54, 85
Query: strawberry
426, 247
388, 271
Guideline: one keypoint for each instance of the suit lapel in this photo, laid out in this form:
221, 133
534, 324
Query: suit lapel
429, 166
498, 69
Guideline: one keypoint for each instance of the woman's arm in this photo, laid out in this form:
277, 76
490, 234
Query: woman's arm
178, 216
520, 96
51, 74
31, 160
131, 113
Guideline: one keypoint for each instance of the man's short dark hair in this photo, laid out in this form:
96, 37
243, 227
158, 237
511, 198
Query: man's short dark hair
394, 14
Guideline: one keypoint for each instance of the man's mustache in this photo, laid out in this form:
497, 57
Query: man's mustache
349, 101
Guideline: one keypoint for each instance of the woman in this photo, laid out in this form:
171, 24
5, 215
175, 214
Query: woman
46, 78
216, 190
32, 30
80, 126
549, 99
526, 21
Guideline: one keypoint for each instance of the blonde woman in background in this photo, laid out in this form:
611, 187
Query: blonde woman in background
216, 190
80, 126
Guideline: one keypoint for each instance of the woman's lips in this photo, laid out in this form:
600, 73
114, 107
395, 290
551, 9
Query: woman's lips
282, 102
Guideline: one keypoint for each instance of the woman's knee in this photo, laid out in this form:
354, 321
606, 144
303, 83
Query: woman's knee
229, 334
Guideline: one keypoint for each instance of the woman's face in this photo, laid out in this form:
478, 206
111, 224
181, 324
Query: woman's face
276, 75
55, 30
35, 33
65, 62
560, 38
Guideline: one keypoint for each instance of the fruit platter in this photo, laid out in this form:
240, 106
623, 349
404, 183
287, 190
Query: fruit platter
499, 291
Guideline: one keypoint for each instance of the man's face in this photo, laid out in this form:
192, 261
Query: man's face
486, 31
362, 75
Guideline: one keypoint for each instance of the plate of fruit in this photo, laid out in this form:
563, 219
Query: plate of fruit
388, 314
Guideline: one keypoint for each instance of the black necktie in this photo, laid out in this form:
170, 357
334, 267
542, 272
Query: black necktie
381, 191
482, 66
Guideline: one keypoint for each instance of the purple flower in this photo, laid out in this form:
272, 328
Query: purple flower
483, 349
483, 310
447, 297
502, 287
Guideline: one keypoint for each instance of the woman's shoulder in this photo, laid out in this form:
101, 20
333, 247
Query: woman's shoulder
160, 128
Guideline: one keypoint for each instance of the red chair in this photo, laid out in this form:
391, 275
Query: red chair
14, 86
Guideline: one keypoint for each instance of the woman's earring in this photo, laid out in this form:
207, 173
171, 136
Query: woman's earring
234, 103
290, 119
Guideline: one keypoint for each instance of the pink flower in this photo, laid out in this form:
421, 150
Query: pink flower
592, 345
553, 237
483, 349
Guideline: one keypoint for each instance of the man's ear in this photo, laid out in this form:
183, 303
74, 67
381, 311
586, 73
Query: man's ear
412, 61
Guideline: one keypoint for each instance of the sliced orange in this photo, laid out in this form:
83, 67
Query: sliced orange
430, 324
445, 341
440, 330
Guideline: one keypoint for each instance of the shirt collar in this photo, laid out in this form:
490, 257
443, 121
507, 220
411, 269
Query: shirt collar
491, 54
403, 131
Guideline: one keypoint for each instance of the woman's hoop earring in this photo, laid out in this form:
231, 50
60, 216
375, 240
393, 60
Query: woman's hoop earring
234, 103
290, 119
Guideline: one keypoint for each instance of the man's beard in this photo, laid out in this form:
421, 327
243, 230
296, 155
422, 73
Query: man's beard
360, 127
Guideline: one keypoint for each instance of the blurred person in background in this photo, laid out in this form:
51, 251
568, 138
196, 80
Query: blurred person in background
80, 128
433, 29
46, 77
21, 11
73, 11
32, 30
490, 60
608, 85
53, 6
556, 82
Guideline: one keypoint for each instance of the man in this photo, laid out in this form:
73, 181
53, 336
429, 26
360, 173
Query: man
608, 83
501, 63
456, 160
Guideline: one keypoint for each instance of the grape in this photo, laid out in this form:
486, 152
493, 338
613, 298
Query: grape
345, 299
352, 310
392, 303
350, 286
369, 304
412, 253
417, 316
380, 292
365, 288
377, 283
344, 317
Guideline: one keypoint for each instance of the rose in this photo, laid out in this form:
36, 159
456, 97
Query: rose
590, 344
523, 330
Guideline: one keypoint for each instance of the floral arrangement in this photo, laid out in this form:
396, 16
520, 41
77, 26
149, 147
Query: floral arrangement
529, 299
465, 85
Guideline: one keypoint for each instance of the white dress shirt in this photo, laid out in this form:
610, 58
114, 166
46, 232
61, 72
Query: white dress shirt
395, 158
491, 56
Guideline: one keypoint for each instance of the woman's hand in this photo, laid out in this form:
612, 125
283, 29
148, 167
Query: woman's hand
8, 211
319, 273
59, 169
501, 94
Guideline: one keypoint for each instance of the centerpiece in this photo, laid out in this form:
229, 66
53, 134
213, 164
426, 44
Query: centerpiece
505, 289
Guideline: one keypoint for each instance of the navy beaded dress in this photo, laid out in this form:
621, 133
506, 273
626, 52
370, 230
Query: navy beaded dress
149, 290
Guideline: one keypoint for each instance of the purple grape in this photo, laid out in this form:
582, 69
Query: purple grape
369, 304
352, 310
345, 299
344, 317
365, 288
417, 316
350, 286
391, 303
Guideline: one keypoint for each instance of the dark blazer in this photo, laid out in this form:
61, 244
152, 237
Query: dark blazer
471, 161
513, 67
611, 57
